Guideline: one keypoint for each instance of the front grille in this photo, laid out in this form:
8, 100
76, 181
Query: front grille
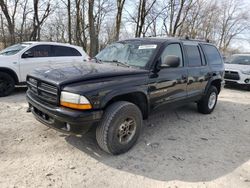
44, 91
232, 75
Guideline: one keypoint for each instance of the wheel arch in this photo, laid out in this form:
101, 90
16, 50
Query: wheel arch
139, 98
216, 83
11, 73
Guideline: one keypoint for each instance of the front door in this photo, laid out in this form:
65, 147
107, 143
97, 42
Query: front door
169, 84
36, 57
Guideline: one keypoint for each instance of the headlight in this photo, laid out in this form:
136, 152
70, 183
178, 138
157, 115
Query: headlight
75, 101
246, 72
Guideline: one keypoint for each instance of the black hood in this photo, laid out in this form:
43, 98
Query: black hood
75, 72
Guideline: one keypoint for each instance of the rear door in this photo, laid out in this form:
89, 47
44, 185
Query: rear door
198, 70
39, 56
170, 83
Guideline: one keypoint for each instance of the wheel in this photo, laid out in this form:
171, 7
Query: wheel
120, 127
207, 104
7, 84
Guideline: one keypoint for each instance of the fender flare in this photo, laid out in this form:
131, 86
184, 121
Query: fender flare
210, 83
117, 93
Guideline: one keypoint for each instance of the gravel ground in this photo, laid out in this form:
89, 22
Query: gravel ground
177, 148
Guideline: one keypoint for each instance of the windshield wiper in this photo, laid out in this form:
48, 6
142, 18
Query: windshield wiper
121, 63
97, 60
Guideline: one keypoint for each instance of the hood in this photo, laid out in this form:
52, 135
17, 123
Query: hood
236, 67
76, 72
4, 58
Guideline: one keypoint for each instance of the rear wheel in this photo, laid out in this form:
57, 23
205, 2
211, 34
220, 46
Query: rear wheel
120, 127
207, 104
7, 84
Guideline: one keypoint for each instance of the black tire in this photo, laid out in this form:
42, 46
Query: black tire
7, 84
203, 104
109, 129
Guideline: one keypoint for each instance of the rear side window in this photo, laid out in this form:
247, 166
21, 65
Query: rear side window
193, 55
41, 51
65, 51
212, 54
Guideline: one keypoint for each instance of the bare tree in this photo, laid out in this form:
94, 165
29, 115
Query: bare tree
68, 6
232, 22
93, 24
3, 31
177, 13
10, 18
23, 35
152, 20
69, 21
120, 5
143, 10
37, 21
92, 30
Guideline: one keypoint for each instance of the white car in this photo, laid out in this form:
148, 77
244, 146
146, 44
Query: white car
18, 60
237, 69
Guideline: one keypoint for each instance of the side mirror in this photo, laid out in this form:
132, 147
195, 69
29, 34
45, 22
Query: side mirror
171, 61
27, 54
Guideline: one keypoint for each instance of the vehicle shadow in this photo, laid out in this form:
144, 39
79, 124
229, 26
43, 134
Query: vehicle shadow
20, 89
181, 144
237, 87
18, 95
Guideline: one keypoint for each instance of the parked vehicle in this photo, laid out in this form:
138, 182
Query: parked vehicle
129, 80
237, 70
18, 60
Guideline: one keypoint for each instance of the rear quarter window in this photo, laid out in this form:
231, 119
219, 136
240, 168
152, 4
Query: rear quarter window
61, 51
212, 54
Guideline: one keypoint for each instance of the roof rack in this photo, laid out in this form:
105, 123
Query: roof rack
198, 40
182, 38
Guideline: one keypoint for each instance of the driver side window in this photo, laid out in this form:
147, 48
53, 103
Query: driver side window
172, 49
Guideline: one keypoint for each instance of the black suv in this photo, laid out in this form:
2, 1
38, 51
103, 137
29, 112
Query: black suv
123, 84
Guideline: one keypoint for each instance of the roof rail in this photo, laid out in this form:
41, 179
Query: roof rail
198, 40
181, 38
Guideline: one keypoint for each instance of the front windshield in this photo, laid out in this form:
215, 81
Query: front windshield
12, 50
128, 53
239, 59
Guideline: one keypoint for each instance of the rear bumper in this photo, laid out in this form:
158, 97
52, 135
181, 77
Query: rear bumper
63, 119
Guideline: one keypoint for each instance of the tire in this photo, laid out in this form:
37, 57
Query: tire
7, 84
204, 105
120, 127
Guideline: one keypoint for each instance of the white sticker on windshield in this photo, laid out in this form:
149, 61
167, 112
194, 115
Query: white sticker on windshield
149, 46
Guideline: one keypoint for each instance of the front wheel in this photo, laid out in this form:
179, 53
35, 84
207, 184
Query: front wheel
207, 104
7, 84
120, 127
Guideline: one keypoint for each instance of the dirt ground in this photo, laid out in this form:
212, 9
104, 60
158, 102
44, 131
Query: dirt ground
177, 148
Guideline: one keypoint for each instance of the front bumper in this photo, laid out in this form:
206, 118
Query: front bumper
63, 119
236, 77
